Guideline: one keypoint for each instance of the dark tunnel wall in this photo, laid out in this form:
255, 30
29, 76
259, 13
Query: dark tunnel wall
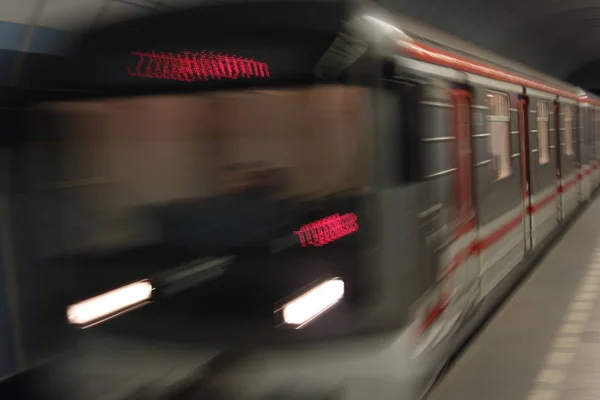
588, 76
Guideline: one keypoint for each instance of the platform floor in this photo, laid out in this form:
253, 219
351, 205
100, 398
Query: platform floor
544, 342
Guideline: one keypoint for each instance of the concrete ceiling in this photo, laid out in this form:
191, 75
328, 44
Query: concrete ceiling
559, 37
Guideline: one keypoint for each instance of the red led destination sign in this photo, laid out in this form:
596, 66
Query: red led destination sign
327, 230
190, 67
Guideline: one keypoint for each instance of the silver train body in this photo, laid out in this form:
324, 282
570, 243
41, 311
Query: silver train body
475, 256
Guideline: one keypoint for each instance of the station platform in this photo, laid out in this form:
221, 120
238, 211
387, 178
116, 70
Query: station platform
544, 341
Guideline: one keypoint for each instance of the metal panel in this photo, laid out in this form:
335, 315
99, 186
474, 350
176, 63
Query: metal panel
437, 139
400, 283
542, 176
440, 160
435, 122
567, 162
541, 95
493, 198
493, 84
581, 143
422, 68
439, 147
564, 100
585, 145
514, 123
480, 144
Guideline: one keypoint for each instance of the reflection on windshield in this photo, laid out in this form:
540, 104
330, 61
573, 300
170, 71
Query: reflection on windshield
213, 195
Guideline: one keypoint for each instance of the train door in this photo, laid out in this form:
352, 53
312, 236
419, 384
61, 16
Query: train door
543, 209
574, 138
569, 184
582, 152
525, 172
466, 279
464, 178
591, 142
585, 148
559, 169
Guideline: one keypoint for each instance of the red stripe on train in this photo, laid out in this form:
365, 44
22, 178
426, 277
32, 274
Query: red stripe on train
569, 183
478, 245
481, 244
435, 312
437, 56
532, 209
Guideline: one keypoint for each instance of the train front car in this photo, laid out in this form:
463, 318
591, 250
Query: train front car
242, 177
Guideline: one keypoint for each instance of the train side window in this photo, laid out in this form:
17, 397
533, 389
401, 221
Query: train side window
542, 131
499, 129
568, 136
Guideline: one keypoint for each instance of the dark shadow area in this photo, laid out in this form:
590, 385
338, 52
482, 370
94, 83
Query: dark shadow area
586, 76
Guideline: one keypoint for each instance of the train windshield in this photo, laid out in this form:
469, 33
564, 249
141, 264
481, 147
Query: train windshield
231, 203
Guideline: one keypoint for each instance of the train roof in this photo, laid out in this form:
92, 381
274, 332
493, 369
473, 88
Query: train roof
271, 33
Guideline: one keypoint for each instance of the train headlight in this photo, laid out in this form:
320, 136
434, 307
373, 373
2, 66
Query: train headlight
317, 300
107, 305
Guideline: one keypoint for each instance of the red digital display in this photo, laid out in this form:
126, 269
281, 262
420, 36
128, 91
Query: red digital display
189, 67
327, 230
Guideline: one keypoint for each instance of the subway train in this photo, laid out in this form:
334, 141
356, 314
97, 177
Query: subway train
166, 185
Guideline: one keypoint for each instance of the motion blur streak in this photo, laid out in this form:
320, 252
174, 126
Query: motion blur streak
314, 302
189, 67
327, 229
109, 303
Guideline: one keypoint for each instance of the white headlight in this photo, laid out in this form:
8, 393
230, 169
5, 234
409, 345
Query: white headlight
312, 303
110, 303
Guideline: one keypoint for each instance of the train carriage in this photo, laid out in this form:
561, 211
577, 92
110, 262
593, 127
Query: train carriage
222, 165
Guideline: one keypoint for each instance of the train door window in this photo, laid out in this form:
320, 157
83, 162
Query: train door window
499, 129
542, 131
568, 132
